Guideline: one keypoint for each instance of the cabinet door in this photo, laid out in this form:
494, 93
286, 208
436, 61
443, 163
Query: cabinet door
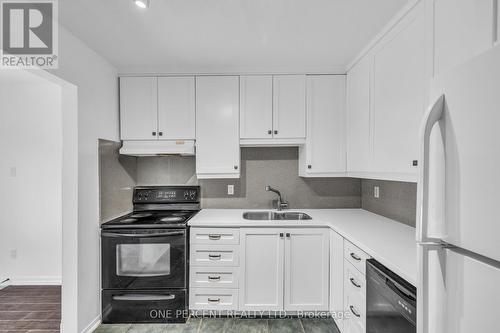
358, 116
462, 30
217, 124
306, 269
261, 269
325, 143
176, 114
399, 96
336, 275
138, 108
289, 106
256, 107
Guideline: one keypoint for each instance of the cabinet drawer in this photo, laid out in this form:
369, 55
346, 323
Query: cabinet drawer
214, 255
213, 299
214, 277
215, 236
355, 256
355, 305
354, 281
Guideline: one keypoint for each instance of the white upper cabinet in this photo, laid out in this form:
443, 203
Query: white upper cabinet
289, 106
138, 108
324, 152
358, 116
217, 124
306, 269
176, 108
399, 90
256, 107
462, 30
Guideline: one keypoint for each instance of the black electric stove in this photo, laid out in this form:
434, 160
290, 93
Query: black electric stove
145, 257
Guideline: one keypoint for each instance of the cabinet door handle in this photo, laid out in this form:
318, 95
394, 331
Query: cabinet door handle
355, 257
275, 132
214, 300
281, 235
235, 167
214, 256
354, 283
269, 132
214, 237
160, 133
214, 278
154, 133
354, 312
309, 166
288, 235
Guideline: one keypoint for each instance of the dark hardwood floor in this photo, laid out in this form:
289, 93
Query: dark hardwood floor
30, 309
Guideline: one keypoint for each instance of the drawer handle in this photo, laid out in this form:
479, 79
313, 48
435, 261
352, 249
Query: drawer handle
354, 312
355, 257
214, 300
354, 283
214, 278
214, 256
214, 237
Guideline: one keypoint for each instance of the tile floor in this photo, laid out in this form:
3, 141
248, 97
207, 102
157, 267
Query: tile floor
223, 325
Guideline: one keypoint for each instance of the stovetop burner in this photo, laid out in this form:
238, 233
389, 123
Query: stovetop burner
140, 215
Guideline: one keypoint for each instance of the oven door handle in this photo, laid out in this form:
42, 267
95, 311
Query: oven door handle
162, 234
139, 297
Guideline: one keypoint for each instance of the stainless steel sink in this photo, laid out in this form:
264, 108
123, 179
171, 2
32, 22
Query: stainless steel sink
266, 215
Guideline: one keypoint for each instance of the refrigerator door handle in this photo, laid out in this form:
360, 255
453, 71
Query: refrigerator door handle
432, 116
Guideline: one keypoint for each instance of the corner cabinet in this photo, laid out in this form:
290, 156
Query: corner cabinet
217, 120
324, 153
284, 269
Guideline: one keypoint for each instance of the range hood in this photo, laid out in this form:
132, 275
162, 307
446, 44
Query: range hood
158, 148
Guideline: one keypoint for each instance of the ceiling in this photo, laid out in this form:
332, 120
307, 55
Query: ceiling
228, 36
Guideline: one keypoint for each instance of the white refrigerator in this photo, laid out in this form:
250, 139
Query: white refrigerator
458, 222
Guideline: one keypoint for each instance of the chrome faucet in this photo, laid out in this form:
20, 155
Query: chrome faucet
279, 203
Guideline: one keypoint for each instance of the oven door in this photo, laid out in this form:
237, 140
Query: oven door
144, 258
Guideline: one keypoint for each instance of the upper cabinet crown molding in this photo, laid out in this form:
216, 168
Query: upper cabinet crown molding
217, 127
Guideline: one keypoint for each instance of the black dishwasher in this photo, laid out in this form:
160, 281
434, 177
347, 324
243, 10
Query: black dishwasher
390, 301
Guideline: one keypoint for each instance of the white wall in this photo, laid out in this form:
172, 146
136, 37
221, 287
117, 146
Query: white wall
30, 181
97, 84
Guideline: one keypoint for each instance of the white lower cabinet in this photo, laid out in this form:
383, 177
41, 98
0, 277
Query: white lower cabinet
261, 279
284, 269
337, 277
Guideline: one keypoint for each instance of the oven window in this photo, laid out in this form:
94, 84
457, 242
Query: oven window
142, 260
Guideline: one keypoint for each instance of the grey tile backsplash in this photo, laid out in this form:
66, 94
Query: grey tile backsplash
277, 167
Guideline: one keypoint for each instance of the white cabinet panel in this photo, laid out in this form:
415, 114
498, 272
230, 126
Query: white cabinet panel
261, 269
213, 299
215, 236
214, 255
289, 106
176, 108
399, 96
358, 116
217, 127
306, 269
324, 153
138, 108
210, 277
462, 30
256, 107
354, 299
337, 276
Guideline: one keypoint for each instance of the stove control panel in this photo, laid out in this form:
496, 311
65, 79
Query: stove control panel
167, 194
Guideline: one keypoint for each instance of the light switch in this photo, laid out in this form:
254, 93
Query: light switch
376, 192
230, 189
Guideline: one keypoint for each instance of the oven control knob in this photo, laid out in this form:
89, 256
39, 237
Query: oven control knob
186, 195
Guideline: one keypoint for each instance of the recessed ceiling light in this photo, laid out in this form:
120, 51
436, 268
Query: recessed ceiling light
142, 3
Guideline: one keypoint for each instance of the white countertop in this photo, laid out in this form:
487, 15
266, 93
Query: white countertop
391, 243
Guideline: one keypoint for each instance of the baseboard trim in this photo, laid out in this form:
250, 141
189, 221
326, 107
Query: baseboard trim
36, 280
93, 325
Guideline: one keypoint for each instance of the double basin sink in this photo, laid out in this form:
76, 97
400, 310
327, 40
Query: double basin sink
267, 215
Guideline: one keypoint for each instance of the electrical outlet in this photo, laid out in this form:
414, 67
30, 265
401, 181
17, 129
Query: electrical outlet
230, 189
13, 254
376, 192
